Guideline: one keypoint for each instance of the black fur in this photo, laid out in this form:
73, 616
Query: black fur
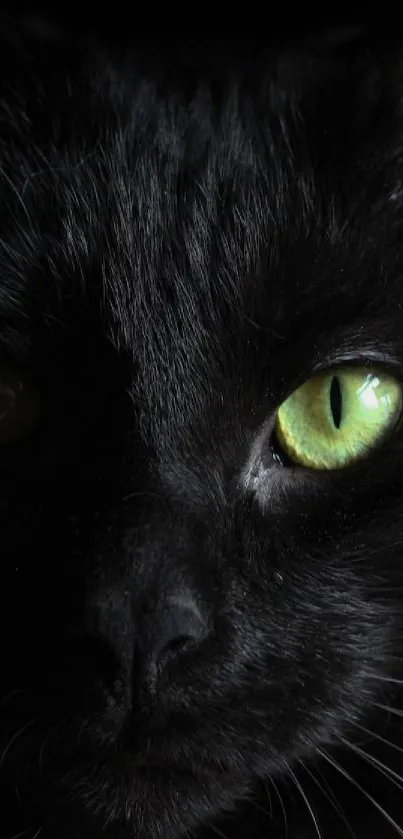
184, 238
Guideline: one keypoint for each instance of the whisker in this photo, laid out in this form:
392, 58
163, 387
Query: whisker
14, 739
378, 737
8, 180
10, 695
384, 708
395, 711
373, 761
46, 739
361, 789
145, 494
277, 791
388, 679
257, 806
216, 831
269, 798
305, 799
329, 795
270, 811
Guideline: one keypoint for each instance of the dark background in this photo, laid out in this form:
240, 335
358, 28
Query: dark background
270, 22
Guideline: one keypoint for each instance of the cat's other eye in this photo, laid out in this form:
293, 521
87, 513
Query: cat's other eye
19, 404
339, 417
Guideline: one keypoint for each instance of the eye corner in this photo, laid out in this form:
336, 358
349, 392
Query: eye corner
278, 454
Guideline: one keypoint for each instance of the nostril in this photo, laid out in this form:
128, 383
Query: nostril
181, 628
176, 646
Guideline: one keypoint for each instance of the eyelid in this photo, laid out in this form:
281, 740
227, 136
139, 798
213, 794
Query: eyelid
359, 356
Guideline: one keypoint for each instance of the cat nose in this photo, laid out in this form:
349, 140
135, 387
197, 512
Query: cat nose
176, 627
153, 639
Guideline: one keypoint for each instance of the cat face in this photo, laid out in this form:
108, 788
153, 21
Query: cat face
186, 606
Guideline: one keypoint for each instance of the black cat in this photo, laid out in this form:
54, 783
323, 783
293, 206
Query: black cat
201, 450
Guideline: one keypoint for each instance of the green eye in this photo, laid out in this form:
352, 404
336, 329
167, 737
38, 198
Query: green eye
337, 418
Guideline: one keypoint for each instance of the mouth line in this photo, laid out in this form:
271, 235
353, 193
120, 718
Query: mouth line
68, 749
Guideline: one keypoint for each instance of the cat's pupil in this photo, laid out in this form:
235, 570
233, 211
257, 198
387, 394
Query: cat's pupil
336, 401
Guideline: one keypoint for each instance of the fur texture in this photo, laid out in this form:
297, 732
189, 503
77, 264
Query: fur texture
185, 236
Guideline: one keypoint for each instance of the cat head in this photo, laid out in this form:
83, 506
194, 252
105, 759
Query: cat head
193, 596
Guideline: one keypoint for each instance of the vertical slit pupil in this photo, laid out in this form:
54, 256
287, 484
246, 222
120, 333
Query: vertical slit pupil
336, 401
